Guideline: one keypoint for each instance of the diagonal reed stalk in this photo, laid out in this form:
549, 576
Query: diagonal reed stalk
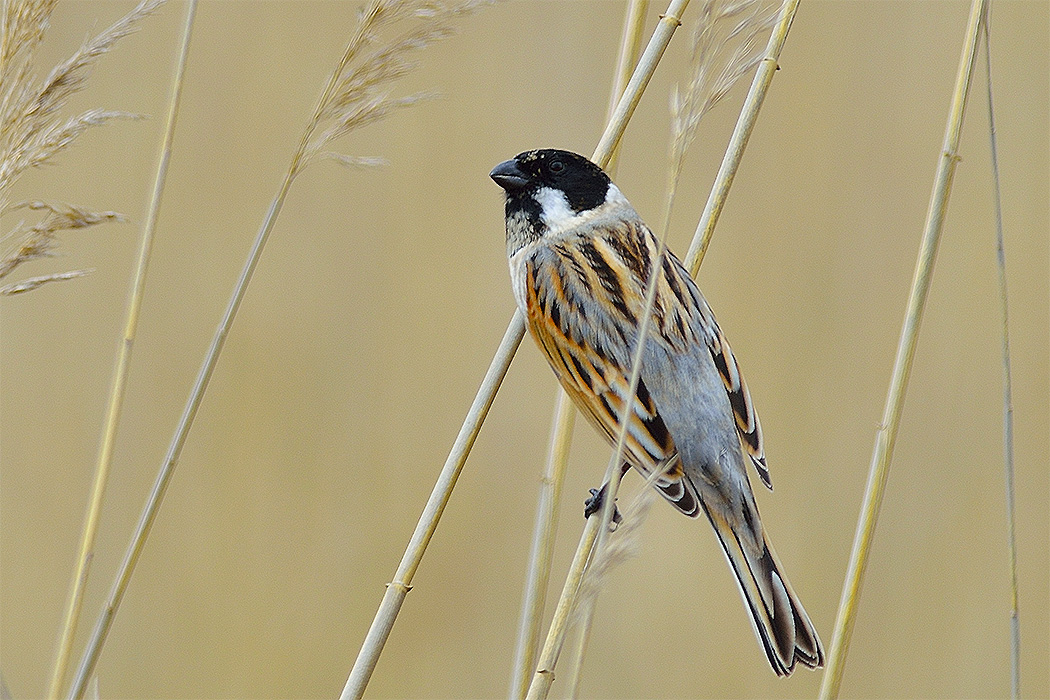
398, 588
120, 376
544, 675
542, 550
887, 432
633, 27
1008, 408
541, 553
351, 99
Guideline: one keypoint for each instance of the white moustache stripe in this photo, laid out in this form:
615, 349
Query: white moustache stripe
556, 213
554, 208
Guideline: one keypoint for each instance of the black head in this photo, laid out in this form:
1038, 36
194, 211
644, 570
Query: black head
583, 183
547, 189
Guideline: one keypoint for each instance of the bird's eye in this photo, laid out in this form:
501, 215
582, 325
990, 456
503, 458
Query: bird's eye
556, 166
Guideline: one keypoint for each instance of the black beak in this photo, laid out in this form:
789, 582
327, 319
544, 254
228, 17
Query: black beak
509, 176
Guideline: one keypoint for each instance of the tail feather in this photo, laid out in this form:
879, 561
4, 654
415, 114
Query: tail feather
780, 622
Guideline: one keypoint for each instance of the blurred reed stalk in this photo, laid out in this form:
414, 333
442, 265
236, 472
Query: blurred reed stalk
623, 543
1008, 408
120, 375
886, 435
397, 589
355, 96
541, 553
32, 132
767, 63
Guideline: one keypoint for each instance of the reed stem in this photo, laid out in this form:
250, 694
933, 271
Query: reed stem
118, 390
886, 435
544, 676
428, 521
542, 551
1008, 407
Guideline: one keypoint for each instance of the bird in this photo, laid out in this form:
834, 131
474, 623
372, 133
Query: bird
580, 259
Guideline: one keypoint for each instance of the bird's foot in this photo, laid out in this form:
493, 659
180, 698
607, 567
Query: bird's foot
594, 505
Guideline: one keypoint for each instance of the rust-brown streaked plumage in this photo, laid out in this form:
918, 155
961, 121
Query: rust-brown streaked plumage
580, 261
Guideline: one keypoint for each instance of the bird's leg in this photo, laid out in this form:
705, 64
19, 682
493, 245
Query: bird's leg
594, 504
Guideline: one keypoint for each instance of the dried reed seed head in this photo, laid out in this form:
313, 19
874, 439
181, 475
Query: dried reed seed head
26, 119
28, 285
32, 132
621, 545
370, 66
722, 54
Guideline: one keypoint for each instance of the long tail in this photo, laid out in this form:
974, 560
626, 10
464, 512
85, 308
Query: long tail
780, 622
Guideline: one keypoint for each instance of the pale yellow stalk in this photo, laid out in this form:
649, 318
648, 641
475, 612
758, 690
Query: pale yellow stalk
887, 432
542, 551
544, 675
86, 551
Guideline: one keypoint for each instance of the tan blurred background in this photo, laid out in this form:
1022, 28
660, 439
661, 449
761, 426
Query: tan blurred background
380, 301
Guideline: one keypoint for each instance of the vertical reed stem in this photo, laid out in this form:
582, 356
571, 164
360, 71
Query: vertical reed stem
544, 676
542, 551
1008, 407
86, 551
887, 432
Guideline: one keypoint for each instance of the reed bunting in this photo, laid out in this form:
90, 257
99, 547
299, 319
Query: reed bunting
580, 259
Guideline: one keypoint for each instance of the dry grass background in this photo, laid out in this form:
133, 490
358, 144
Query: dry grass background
382, 296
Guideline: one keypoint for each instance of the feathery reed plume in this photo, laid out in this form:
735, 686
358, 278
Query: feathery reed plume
37, 240
723, 52
359, 95
33, 132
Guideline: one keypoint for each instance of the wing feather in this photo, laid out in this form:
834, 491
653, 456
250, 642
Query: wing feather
747, 425
575, 302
